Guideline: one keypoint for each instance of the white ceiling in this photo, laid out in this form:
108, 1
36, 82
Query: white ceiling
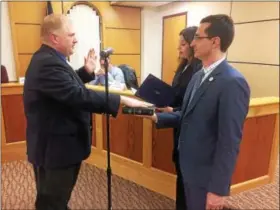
140, 3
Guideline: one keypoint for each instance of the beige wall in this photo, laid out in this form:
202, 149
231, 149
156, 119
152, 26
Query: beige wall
255, 42
255, 50
152, 29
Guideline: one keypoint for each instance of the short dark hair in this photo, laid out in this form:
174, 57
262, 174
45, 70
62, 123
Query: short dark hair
221, 26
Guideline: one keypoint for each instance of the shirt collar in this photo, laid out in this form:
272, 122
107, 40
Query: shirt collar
213, 65
61, 56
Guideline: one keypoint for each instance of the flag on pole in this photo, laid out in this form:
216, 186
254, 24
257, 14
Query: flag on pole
49, 8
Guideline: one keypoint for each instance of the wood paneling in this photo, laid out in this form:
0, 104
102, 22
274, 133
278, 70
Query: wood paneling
255, 150
172, 26
93, 134
126, 136
118, 17
13, 113
27, 12
14, 152
133, 138
123, 41
120, 29
258, 11
24, 61
162, 149
57, 7
256, 42
132, 60
258, 77
25, 20
28, 38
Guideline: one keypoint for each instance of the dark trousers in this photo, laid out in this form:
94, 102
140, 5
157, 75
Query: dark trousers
195, 197
180, 193
54, 186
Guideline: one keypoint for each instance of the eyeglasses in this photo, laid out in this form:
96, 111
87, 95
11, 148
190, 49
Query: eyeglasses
196, 37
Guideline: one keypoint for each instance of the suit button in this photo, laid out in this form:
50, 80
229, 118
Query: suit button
90, 127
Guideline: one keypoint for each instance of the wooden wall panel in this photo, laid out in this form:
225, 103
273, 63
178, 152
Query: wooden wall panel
121, 30
118, 17
254, 11
93, 135
28, 38
27, 12
132, 60
123, 41
126, 136
255, 149
57, 7
14, 118
24, 61
114, 16
256, 42
162, 149
258, 77
25, 20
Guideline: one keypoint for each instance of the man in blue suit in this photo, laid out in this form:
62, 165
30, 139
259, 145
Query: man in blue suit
211, 120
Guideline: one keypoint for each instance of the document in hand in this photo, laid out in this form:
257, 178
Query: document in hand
155, 91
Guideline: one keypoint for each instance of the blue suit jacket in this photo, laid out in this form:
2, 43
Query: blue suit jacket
211, 128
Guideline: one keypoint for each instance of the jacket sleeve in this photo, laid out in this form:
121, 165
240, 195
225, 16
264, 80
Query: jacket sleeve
168, 119
55, 82
232, 112
178, 108
84, 75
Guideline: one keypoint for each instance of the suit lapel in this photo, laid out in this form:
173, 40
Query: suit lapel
204, 86
188, 94
73, 73
68, 67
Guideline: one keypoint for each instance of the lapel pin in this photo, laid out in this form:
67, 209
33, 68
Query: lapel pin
211, 79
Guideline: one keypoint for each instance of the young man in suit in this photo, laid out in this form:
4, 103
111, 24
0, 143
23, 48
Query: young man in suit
211, 120
58, 110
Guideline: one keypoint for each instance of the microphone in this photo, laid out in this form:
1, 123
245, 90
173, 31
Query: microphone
138, 110
106, 52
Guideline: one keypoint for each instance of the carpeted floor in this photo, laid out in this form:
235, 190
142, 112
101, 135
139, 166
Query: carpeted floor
18, 192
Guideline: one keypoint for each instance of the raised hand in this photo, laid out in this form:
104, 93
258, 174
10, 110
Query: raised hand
90, 61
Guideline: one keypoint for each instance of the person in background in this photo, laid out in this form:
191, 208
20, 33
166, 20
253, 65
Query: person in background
115, 76
58, 108
4, 75
211, 118
186, 69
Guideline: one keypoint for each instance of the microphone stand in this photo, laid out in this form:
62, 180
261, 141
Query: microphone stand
109, 171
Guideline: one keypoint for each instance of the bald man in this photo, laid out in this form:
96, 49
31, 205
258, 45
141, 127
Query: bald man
58, 110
